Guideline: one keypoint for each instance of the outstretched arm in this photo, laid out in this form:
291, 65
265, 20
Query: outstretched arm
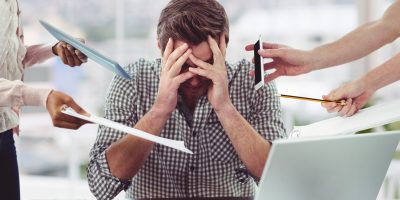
354, 45
359, 91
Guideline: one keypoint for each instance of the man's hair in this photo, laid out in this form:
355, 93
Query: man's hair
192, 21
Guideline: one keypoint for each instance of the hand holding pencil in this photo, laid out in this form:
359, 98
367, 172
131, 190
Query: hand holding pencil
346, 100
356, 93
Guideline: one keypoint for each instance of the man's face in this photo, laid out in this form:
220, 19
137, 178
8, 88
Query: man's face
196, 86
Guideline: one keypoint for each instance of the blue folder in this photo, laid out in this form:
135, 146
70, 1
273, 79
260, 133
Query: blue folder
89, 52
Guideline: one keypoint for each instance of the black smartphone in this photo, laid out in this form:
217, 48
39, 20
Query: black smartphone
259, 69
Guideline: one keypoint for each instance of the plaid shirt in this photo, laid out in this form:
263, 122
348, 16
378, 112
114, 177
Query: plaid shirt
214, 170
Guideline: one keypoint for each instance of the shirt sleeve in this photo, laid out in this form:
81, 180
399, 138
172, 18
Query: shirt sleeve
15, 93
120, 107
37, 54
266, 116
266, 111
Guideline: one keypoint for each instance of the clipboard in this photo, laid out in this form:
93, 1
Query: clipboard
89, 52
175, 144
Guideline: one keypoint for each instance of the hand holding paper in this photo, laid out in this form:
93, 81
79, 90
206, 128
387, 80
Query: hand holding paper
178, 145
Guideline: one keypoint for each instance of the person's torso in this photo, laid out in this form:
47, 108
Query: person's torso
12, 53
215, 168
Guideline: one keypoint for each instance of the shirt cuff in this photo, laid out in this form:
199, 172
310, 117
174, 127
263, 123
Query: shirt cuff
34, 96
105, 171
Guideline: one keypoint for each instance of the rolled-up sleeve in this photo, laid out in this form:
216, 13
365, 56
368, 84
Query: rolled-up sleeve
267, 113
120, 108
15, 93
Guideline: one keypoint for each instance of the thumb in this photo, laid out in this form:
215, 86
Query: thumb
77, 108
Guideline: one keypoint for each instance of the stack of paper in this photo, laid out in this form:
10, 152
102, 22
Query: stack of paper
378, 115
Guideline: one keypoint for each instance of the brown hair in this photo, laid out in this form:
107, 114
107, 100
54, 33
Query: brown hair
192, 21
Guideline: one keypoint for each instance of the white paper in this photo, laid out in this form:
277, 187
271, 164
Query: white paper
179, 145
370, 117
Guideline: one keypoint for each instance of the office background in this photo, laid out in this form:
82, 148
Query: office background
53, 161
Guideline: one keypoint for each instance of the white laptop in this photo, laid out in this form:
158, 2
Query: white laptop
349, 167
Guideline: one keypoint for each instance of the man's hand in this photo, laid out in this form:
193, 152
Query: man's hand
55, 102
68, 54
218, 93
286, 61
356, 93
171, 78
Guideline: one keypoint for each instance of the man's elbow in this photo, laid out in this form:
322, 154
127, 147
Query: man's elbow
98, 184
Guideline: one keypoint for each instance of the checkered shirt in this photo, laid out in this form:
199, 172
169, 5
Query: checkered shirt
214, 170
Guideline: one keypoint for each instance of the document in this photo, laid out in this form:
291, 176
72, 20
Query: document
89, 52
178, 145
371, 117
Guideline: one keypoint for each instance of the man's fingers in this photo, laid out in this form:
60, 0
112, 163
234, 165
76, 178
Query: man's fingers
183, 77
215, 50
168, 50
178, 52
177, 66
199, 62
201, 72
222, 45
252, 73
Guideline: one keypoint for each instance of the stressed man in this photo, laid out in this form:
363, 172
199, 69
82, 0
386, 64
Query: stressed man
190, 94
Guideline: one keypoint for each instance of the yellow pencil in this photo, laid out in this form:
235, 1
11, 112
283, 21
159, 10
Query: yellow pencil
339, 102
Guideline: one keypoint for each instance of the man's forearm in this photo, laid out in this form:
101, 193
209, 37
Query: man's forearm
251, 147
383, 75
126, 156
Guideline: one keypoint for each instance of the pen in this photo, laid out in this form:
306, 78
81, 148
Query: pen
339, 102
